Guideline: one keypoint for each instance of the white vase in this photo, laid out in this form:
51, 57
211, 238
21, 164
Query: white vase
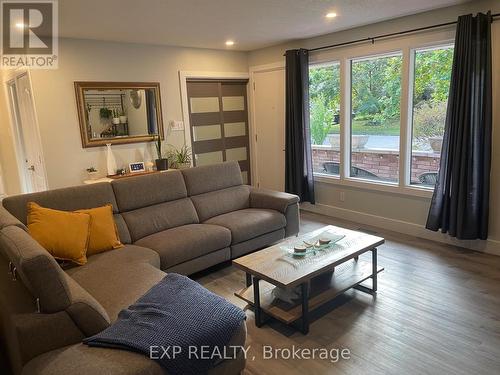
123, 119
110, 160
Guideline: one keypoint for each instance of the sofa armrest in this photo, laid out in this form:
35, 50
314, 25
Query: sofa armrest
7, 219
287, 204
275, 200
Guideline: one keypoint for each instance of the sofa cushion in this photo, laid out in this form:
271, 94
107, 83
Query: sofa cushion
213, 177
121, 226
249, 223
268, 239
142, 191
113, 258
66, 199
117, 278
81, 359
222, 201
180, 244
69, 199
202, 262
153, 219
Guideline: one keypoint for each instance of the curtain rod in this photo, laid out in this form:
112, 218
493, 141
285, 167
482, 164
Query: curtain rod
372, 39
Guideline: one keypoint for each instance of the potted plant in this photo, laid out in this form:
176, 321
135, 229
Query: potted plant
105, 112
116, 117
181, 157
123, 117
359, 141
92, 172
161, 162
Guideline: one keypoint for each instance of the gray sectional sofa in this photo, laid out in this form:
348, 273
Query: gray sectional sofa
177, 221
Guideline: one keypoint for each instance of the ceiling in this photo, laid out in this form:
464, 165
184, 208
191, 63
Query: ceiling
252, 24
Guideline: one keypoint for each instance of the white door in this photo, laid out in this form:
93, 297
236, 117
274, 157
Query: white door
31, 163
269, 120
2, 190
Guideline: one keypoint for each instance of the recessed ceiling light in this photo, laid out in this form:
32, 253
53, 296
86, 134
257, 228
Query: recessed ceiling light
331, 15
229, 43
20, 25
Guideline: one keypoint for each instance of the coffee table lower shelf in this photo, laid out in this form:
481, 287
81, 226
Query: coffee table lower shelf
323, 288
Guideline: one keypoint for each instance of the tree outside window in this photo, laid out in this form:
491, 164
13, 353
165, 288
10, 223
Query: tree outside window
431, 82
375, 120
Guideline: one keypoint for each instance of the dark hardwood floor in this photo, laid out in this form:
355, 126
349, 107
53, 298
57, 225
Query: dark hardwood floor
437, 311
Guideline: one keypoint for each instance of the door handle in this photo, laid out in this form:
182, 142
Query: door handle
32, 168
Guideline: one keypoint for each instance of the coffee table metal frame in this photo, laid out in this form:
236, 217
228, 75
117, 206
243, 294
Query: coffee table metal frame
254, 280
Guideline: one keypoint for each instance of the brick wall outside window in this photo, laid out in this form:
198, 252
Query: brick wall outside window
384, 164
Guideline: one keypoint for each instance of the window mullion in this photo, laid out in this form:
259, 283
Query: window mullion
345, 118
405, 120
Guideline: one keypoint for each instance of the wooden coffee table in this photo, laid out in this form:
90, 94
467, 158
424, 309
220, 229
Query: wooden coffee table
320, 276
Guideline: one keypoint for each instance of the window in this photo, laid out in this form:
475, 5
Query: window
324, 94
431, 82
378, 134
375, 118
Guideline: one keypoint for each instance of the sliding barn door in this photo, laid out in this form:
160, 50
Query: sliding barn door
218, 117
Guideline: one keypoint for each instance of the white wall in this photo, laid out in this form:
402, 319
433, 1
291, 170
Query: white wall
405, 213
85, 60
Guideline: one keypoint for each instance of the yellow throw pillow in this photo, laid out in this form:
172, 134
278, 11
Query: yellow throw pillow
103, 231
63, 234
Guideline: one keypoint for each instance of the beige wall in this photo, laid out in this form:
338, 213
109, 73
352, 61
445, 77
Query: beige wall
402, 212
85, 60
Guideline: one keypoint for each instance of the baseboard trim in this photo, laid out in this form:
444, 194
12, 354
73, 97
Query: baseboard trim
412, 229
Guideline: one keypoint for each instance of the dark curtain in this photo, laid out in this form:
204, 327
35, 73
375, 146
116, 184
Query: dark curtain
460, 204
298, 162
151, 111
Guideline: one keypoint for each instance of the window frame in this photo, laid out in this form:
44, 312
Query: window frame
411, 94
396, 53
345, 56
325, 64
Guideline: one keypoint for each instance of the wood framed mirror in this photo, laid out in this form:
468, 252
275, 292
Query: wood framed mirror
118, 112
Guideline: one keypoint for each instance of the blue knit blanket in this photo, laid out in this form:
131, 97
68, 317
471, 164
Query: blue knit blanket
178, 322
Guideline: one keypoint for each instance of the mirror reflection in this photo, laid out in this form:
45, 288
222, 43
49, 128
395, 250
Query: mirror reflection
118, 114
